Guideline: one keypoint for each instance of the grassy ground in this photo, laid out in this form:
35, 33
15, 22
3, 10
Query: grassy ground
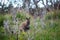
50, 32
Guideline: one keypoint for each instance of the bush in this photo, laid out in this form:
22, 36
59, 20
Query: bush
1, 20
53, 15
21, 16
48, 16
2, 35
7, 16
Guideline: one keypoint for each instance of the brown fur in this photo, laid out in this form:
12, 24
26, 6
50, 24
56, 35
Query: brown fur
25, 25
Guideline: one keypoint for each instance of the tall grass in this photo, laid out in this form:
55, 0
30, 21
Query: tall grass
52, 32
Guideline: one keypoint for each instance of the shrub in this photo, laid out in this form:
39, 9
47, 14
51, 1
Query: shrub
48, 16
1, 20
21, 16
7, 17
53, 15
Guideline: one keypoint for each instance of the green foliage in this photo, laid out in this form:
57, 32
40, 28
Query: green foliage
52, 31
1, 20
2, 35
1, 29
7, 16
21, 16
4, 17
53, 15
48, 16
22, 36
58, 14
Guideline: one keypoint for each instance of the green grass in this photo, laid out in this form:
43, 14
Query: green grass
51, 31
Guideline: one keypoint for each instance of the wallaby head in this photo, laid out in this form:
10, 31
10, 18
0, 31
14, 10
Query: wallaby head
28, 21
25, 25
